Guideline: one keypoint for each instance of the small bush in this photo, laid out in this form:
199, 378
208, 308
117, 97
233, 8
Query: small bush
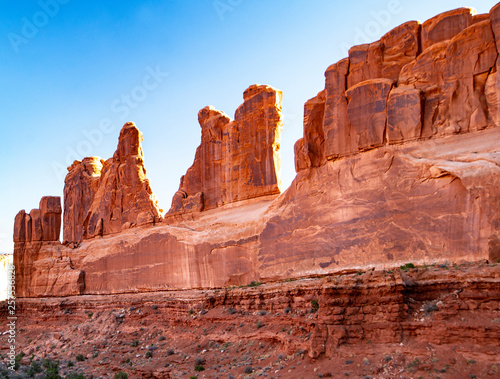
315, 305
34, 368
170, 352
407, 266
120, 375
287, 310
231, 310
199, 368
193, 377
161, 338
191, 311
74, 375
135, 343
149, 354
71, 364
254, 284
262, 313
80, 358
259, 324
155, 307
90, 314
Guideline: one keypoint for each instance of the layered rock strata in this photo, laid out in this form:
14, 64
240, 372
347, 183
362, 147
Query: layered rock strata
237, 159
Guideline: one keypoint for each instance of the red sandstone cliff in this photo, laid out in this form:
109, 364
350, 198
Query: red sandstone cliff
399, 162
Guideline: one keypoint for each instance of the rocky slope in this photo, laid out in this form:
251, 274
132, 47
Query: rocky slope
431, 321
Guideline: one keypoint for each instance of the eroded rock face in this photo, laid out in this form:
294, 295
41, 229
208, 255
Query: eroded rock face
445, 26
237, 159
124, 196
80, 187
43, 224
104, 197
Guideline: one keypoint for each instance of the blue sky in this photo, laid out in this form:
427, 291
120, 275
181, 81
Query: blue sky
74, 71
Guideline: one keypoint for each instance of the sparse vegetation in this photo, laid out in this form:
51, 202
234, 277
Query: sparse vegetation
33, 369
80, 358
149, 354
407, 266
135, 343
199, 368
74, 375
314, 305
231, 310
254, 284
120, 375
71, 364
191, 311
170, 352
90, 314
259, 324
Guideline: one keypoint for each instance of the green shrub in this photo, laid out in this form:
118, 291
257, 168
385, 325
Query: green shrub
80, 358
74, 375
120, 375
199, 368
149, 354
135, 343
407, 266
315, 305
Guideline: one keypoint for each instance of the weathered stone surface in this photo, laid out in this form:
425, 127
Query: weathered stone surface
204, 177
302, 160
80, 186
386, 57
340, 137
367, 111
404, 114
236, 160
50, 210
445, 26
470, 56
20, 226
314, 138
36, 218
124, 194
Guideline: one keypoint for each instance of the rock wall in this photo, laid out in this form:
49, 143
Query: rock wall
416, 82
236, 160
399, 162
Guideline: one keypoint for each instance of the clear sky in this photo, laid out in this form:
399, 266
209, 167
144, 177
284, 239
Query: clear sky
74, 71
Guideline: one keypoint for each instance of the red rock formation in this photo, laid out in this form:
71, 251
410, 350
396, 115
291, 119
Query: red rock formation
80, 187
399, 162
42, 224
236, 160
445, 26
124, 197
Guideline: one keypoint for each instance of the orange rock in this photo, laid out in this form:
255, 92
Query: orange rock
20, 227
314, 138
236, 160
50, 209
302, 160
470, 56
367, 111
203, 180
445, 26
124, 194
386, 57
340, 136
80, 186
404, 114
36, 225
